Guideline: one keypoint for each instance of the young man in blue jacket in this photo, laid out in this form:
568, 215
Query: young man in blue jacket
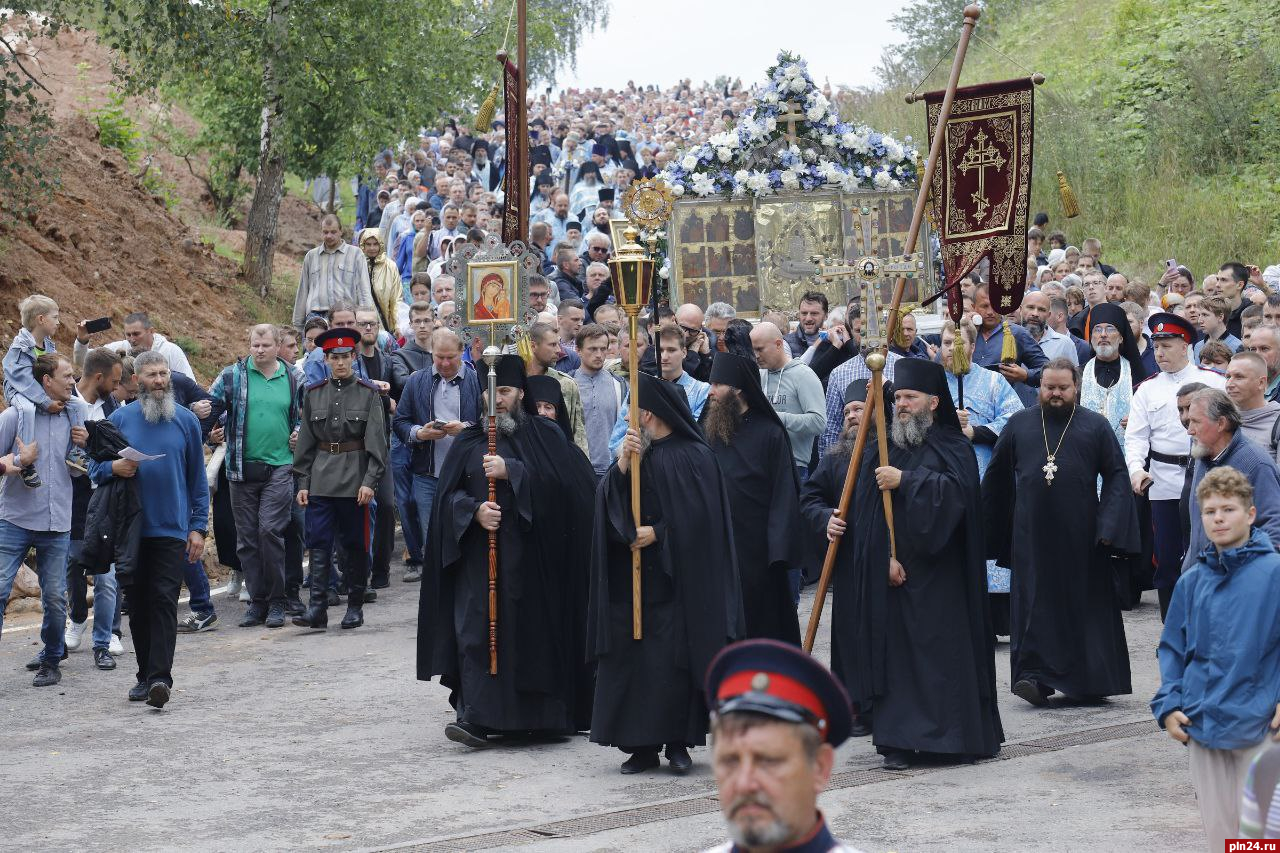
1220, 652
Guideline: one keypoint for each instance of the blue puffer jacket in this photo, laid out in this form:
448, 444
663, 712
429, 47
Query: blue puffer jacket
1220, 650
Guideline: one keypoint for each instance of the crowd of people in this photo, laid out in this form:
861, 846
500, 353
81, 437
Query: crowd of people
1039, 473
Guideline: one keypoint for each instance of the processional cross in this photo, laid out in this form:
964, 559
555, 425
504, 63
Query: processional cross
981, 156
868, 270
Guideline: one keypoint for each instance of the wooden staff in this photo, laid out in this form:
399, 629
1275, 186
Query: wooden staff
633, 416
876, 361
490, 358
971, 14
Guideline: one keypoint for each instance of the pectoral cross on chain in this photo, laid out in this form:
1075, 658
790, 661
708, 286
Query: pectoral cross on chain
1050, 468
981, 156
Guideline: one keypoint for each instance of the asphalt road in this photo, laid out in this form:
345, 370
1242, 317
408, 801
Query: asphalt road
286, 740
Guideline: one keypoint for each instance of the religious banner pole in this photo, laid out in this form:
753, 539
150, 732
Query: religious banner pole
491, 355
971, 14
515, 213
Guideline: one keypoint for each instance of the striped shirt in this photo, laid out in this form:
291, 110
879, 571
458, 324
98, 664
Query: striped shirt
331, 276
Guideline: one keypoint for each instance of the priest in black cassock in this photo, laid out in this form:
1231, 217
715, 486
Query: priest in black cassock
648, 691
1062, 535
922, 653
750, 444
819, 498
543, 515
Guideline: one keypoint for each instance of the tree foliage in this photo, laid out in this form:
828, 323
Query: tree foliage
25, 122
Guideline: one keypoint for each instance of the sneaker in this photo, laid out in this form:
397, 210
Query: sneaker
74, 635
116, 647
252, 618
38, 661
47, 676
244, 594
412, 573
77, 460
233, 585
102, 659
195, 623
138, 692
30, 478
275, 616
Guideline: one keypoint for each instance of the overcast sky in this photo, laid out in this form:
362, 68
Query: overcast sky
662, 41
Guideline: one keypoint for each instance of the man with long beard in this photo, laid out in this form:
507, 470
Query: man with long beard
648, 691
175, 515
923, 647
1059, 533
542, 516
753, 450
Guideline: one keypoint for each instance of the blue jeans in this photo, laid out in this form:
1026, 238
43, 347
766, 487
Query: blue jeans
198, 585
51, 568
105, 593
424, 493
406, 504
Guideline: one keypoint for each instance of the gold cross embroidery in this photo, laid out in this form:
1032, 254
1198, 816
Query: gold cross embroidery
981, 156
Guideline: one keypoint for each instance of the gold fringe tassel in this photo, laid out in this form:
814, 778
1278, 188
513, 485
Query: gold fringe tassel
959, 354
524, 347
1070, 206
484, 116
1008, 347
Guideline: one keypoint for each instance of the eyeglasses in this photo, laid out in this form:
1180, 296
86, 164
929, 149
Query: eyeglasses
1106, 329
367, 324
599, 248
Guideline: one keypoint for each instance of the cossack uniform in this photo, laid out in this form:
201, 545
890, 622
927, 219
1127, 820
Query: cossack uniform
342, 446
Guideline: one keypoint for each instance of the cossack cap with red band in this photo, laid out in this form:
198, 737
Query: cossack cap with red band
781, 681
338, 340
1165, 325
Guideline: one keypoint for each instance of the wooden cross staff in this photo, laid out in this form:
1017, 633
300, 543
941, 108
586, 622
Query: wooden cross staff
971, 14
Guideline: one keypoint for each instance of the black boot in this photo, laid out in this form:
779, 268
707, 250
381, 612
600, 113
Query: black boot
357, 577
317, 615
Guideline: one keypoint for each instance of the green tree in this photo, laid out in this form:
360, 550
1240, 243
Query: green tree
319, 85
25, 122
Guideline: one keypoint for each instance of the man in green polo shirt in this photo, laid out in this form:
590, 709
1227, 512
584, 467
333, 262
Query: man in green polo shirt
260, 395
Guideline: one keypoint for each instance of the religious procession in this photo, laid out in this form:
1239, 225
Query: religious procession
687, 467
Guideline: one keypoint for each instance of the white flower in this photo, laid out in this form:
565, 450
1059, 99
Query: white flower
724, 155
771, 97
895, 184
816, 112
758, 182
849, 182
665, 272
810, 155
848, 139
881, 179
790, 179
703, 184
893, 151
770, 124
828, 140
677, 190
689, 163
792, 70
798, 85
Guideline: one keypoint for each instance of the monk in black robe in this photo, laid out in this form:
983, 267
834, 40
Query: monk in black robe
819, 498
750, 444
1061, 538
648, 691
923, 653
543, 515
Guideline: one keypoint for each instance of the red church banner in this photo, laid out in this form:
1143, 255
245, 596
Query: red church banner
515, 185
981, 189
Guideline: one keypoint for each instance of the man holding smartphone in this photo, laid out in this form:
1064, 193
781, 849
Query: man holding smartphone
436, 405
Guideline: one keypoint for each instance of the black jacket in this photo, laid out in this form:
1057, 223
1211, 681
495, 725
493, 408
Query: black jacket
113, 521
405, 362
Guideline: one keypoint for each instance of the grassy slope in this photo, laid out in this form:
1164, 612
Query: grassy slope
1144, 206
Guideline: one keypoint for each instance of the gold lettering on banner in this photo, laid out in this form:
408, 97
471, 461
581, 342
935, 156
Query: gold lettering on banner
981, 156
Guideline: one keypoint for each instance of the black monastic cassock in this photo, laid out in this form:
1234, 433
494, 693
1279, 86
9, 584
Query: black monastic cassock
760, 479
543, 683
649, 692
1062, 541
922, 654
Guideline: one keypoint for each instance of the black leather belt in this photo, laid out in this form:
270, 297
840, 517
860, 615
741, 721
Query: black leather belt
336, 447
1168, 458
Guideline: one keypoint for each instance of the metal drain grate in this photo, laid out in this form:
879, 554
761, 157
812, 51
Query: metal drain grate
707, 802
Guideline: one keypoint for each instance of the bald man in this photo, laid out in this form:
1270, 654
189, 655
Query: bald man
1035, 319
794, 390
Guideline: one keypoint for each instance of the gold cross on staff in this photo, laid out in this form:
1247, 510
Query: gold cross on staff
868, 270
789, 118
981, 156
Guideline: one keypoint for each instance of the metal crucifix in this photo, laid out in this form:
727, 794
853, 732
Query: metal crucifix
867, 270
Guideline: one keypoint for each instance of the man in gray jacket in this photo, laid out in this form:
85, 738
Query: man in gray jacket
794, 390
